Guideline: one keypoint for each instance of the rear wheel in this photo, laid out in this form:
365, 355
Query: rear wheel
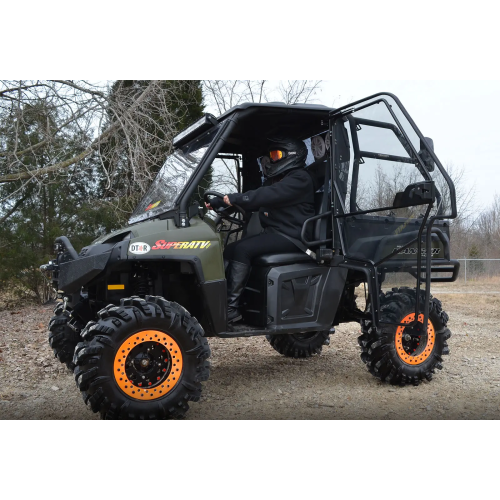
142, 359
398, 354
64, 335
300, 345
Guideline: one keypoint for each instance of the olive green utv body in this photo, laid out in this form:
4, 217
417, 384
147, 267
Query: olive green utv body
139, 304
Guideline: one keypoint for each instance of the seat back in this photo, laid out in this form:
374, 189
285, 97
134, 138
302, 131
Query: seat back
318, 203
317, 170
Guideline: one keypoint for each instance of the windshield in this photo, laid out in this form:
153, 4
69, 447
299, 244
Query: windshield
173, 176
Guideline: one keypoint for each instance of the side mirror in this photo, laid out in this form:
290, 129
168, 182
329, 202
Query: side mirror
420, 193
424, 153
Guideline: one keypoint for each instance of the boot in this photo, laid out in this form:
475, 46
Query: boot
236, 280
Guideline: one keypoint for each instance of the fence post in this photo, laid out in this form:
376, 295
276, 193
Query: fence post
465, 273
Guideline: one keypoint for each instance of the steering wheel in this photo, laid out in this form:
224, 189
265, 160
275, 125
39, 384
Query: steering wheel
223, 213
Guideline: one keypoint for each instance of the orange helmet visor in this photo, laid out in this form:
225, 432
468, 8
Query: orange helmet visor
276, 155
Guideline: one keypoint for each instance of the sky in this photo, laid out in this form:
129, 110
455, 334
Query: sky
460, 116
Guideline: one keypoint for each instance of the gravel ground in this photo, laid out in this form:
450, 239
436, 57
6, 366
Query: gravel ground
249, 380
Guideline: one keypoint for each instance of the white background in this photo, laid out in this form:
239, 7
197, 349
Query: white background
446, 42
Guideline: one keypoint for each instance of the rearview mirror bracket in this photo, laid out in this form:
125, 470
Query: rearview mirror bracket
419, 193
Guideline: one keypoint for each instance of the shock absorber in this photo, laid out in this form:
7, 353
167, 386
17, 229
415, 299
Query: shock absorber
141, 282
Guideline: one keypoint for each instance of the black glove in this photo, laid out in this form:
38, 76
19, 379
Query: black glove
217, 202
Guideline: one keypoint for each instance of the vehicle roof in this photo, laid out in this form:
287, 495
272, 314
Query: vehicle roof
276, 104
256, 122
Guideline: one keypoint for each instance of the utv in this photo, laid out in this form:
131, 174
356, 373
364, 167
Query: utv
139, 304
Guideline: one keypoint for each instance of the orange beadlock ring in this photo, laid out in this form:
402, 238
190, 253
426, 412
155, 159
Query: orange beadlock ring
169, 377
415, 359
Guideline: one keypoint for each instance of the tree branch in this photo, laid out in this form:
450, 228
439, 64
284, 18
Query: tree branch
69, 83
12, 210
17, 89
46, 141
67, 163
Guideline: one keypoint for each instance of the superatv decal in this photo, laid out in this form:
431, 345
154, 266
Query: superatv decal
180, 245
139, 248
152, 205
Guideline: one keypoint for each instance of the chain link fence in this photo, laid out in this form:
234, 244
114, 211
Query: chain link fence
478, 270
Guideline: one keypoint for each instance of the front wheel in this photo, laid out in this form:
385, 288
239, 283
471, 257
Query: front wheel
141, 360
64, 335
398, 355
300, 345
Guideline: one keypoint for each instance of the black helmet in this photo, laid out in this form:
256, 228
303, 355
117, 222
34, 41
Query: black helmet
284, 154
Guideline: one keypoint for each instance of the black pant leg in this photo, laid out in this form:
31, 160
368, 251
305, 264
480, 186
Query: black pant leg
230, 249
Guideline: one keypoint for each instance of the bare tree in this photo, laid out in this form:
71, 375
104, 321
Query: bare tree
224, 94
295, 91
461, 228
486, 230
100, 119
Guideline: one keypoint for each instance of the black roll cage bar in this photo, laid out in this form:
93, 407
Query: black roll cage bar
226, 128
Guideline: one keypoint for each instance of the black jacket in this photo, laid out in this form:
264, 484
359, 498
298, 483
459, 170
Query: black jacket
283, 206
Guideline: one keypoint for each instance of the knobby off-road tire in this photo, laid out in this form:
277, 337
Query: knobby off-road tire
394, 359
63, 338
144, 359
300, 345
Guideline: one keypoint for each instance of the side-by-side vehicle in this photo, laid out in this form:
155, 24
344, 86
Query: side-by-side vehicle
138, 305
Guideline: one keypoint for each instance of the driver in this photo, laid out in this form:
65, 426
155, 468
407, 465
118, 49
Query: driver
284, 202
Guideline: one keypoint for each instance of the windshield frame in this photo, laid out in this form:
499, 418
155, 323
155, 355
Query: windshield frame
174, 205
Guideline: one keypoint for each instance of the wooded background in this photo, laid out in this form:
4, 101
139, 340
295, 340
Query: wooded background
76, 157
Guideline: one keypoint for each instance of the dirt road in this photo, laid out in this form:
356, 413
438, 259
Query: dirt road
249, 380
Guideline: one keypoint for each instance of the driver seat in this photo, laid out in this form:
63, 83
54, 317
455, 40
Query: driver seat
281, 259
